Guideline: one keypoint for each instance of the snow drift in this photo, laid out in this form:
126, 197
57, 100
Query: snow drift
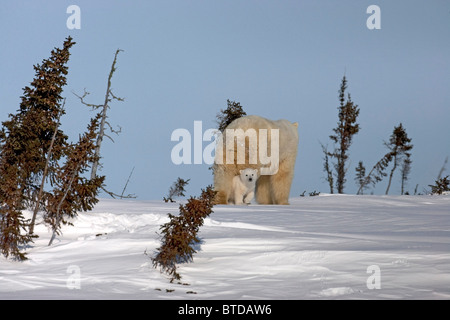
323, 247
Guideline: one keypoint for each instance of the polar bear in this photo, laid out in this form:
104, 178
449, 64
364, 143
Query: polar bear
243, 187
247, 142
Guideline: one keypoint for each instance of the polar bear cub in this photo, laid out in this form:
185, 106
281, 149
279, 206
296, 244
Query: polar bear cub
243, 186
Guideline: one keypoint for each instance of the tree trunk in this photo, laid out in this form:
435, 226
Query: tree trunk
100, 136
392, 173
44, 175
101, 132
58, 214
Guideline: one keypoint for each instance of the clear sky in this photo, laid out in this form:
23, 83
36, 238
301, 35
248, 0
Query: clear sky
280, 59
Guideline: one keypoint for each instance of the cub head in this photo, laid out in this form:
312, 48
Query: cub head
249, 176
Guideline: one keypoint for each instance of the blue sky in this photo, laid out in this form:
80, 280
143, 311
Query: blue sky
280, 59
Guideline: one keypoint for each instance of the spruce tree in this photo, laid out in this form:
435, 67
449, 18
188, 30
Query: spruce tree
360, 177
399, 146
377, 173
441, 185
399, 152
344, 132
13, 235
179, 235
327, 168
405, 170
233, 111
25, 140
346, 128
176, 190
32, 151
74, 192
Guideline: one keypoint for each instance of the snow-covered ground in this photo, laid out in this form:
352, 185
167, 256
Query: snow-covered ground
323, 247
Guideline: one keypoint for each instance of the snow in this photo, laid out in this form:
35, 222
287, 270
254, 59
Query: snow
322, 247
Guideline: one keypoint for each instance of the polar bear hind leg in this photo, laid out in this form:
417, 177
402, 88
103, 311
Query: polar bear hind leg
263, 190
223, 183
280, 185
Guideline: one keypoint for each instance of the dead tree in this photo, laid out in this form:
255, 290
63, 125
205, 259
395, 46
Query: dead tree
442, 168
104, 124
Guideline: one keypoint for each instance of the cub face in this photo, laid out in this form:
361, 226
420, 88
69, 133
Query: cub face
249, 176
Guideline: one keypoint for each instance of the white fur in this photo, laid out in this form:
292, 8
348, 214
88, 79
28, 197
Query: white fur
270, 189
243, 186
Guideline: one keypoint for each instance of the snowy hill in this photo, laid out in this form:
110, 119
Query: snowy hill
323, 247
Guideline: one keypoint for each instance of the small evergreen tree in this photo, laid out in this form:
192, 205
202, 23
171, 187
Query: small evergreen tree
377, 173
176, 190
441, 185
32, 148
328, 169
343, 135
180, 233
399, 146
73, 192
25, 141
405, 170
233, 111
13, 235
40, 193
360, 177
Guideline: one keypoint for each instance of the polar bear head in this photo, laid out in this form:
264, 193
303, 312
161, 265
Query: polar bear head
249, 176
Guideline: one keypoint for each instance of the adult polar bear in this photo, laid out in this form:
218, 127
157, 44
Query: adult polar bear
274, 184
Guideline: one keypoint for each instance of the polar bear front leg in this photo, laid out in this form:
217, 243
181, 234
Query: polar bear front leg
249, 197
238, 196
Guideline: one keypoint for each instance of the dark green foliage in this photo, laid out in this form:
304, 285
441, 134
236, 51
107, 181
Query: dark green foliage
405, 170
342, 138
32, 148
179, 235
376, 174
176, 190
12, 223
327, 168
73, 192
360, 177
31, 129
399, 146
233, 111
24, 143
441, 185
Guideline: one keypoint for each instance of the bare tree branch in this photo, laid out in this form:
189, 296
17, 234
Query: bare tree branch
126, 184
115, 195
101, 132
93, 106
114, 97
442, 169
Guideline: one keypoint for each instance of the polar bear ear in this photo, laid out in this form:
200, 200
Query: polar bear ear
240, 171
295, 124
